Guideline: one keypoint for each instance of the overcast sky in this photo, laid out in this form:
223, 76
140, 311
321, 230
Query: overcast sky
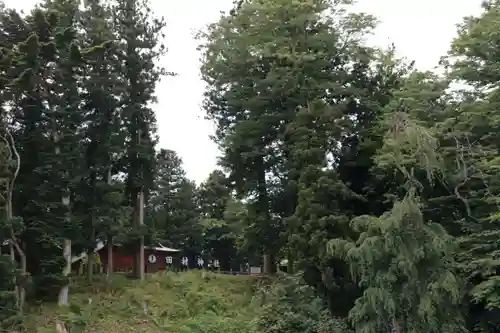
420, 29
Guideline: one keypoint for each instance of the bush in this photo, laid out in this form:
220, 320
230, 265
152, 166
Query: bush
292, 307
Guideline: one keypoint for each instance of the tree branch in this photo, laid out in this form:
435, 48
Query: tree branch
461, 165
13, 149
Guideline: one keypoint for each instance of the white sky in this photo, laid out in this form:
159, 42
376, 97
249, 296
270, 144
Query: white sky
420, 29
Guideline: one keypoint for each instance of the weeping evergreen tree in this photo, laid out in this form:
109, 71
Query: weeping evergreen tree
403, 263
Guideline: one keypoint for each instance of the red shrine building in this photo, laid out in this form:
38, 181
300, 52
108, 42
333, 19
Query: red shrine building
156, 258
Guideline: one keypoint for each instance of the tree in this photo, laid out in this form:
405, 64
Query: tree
103, 136
138, 35
10, 160
214, 195
469, 132
169, 176
175, 206
220, 230
11, 284
267, 66
48, 54
64, 99
11, 226
403, 262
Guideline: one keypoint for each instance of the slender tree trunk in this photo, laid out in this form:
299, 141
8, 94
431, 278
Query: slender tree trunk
92, 237
395, 328
109, 267
290, 263
19, 288
140, 221
266, 263
13, 260
109, 242
139, 249
9, 216
63, 299
263, 211
135, 224
22, 290
12, 253
90, 252
60, 328
90, 266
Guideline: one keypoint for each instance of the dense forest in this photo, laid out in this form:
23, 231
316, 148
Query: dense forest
374, 182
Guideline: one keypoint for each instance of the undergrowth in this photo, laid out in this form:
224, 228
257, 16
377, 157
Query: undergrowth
174, 303
190, 303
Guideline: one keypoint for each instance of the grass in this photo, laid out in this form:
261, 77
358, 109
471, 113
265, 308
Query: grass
174, 303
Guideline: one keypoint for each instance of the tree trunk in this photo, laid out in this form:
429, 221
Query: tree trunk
13, 260
140, 253
109, 241
19, 289
63, 299
269, 263
290, 264
92, 236
109, 267
395, 326
90, 266
12, 253
22, 290
60, 327
265, 218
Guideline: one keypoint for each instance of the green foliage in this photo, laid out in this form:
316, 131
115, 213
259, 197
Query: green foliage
292, 306
470, 142
214, 195
360, 171
405, 268
178, 303
9, 309
174, 207
403, 263
278, 73
189, 303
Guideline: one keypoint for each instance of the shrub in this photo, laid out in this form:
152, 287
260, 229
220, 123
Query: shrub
292, 307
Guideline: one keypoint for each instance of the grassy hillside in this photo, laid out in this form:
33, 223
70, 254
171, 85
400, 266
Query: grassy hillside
176, 303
